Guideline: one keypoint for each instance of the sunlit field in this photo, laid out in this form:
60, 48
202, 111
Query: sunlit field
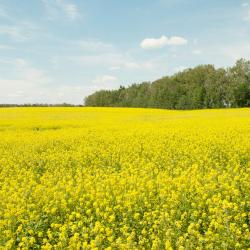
107, 178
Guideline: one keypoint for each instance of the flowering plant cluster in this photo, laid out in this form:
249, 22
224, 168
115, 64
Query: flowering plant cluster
103, 178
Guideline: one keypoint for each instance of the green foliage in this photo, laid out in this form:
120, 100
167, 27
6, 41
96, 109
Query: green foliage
201, 87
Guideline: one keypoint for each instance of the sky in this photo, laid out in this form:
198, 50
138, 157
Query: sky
54, 51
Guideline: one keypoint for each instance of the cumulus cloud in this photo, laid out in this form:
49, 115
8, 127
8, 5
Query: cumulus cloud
156, 43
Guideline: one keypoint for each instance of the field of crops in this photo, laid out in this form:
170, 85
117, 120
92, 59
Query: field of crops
106, 178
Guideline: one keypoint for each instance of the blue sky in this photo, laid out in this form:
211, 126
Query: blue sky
62, 50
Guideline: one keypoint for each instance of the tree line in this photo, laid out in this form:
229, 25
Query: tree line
195, 88
39, 105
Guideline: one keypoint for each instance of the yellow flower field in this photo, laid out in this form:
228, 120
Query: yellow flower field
107, 178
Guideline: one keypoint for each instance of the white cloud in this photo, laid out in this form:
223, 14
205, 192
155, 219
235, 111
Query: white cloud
195, 41
105, 79
20, 63
104, 82
12, 31
102, 59
5, 47
95, 46
113, 61
179, 69
132, 65
70, 10
33, 85
176, 40
5, 15
197, 52
68, 93
55, 7
17, 91
24, 85
16, 94
139, 65
244, 4
19, 32
152, 43
247, 16
236, 51
28, 73
113, 68
20, 91
155, 43
108, 56
5, 61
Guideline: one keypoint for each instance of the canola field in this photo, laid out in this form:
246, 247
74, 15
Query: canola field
110, 178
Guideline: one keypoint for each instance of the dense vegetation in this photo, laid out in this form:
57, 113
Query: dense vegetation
201, 87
